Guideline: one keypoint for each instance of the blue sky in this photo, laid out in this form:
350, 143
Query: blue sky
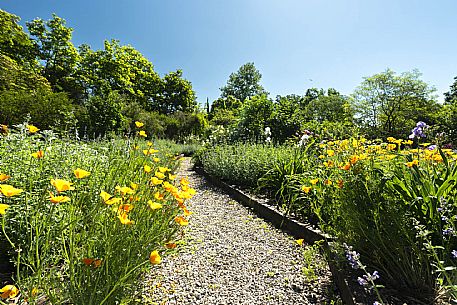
296, 44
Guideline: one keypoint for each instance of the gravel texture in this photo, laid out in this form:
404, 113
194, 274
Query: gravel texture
230, 256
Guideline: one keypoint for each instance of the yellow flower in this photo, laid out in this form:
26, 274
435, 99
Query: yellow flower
184, 181
181, 221
391, 146
3, 129
412, 163
155, 258
124, 208
38, 155
80, 173
154, 205
32, 129
328, 182
156, 181
391, 139
9, 291
139, 124
62, 185
306, 189
123, 217
186, 211
4, 177
58, 199
34, 291
108, 199
299, 241
328, 163
149, 144
314, 181
142, 133
9, 191
171, 177
150, 151
408, 142
330, 152
160, 175
158, 196
156, 160
125, 190
163, 169
147, 168
3, 208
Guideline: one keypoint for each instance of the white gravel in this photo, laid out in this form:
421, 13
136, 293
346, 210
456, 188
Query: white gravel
230, 256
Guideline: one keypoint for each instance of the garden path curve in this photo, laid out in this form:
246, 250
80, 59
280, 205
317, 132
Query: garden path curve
230, 256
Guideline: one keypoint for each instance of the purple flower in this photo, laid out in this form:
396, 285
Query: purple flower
362, 281
432, 147
418, 131
377, 303
454, 253
352, 256
448, 231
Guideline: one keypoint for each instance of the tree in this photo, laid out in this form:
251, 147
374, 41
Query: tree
14, 42
244, 84
255, 115
52, 40
176, 95
16, 77
451, 95
332, 107
387, 104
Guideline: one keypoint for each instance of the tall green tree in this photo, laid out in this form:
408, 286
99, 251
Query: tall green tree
388, 104
244, 84
255, 115
14, 42
449, 113
451, 95
52, 40
176, 95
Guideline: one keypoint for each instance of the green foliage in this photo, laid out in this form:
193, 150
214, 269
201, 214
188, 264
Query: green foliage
45, 109
254, 117
50, 241
14, 42
52, 40
390, 105
244, 84
177, 95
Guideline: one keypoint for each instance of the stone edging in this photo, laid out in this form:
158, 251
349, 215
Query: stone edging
295, 228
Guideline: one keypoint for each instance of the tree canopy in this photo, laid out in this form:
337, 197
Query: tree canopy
244, 84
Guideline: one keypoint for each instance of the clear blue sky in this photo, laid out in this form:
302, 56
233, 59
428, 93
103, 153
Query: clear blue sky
296, 44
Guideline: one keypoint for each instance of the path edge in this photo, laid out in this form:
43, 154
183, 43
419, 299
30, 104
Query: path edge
295, 228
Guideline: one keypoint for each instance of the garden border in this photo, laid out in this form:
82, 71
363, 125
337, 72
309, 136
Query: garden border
295, 228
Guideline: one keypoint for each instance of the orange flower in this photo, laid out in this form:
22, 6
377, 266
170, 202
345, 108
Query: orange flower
62, 185
9, 291
170, 245
306, 189
4, 177
186, 211
80, 173
181, 221
91, 261
328, 182
155, 258
184, 181
340, 183
38, 155
58, 199
346, 167
125, 208
123, 217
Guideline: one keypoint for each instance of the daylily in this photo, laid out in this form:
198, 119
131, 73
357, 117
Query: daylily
62, 185
314, 181
9, 191
412, 163
155, 258
80, 173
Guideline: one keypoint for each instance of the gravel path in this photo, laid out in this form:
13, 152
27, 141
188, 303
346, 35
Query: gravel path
232, 257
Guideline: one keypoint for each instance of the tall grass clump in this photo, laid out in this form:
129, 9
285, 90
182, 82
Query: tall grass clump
81, 220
